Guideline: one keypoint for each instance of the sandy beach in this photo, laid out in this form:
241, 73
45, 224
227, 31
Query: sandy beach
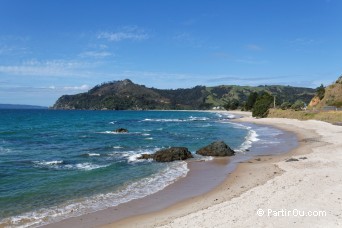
302, 188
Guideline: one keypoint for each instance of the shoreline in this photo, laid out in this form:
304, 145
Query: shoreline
125, 214
272, 186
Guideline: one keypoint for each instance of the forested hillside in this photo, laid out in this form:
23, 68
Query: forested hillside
126, 95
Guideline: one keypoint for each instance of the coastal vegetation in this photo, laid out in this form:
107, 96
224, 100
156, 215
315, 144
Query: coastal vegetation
126, 95
328, 96
325, 106
329, 116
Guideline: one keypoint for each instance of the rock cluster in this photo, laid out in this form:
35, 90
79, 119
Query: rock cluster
168, 155
218, 149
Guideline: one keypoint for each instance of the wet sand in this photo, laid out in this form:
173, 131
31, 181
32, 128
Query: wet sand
304, 192
207, 183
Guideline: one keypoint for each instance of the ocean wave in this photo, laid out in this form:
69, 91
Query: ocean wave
191, 118
117, 147
92, 154
84, 166
225, 116
131, 191
132, 155
251, 137
48, 163
118, 133
4, 150
150, 138
163, 120
61, 165
230, 116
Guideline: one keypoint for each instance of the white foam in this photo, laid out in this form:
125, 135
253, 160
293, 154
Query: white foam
134, 190
163, 120
59, 165
48, 163
119, 133
112, 122
230, 116
84, 166
4, 150
117, 147
145, 134
191, 118
132, 156
93, 154
251, 137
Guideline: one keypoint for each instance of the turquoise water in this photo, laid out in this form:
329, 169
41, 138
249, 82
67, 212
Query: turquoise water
57, 164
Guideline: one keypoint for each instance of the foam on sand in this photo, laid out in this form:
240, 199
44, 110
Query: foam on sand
133, 190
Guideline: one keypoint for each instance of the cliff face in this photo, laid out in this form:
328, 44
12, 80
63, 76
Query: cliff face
332, 96
126, 95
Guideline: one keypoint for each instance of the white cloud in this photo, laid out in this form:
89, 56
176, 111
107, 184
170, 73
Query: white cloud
57, 68
76, 88
127, 33
95, 54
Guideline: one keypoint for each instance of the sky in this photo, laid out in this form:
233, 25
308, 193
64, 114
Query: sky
49, 48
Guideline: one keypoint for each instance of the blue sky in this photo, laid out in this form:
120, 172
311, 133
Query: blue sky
50, 48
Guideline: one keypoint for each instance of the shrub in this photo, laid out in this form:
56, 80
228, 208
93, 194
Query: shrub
285, 105
232, 105
262, 105
251, 101
320, 91
298, 105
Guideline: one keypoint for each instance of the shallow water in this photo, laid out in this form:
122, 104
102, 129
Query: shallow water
57, 164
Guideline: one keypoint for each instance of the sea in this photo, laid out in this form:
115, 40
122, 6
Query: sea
57, 164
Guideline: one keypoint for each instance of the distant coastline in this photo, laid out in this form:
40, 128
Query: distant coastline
20, 106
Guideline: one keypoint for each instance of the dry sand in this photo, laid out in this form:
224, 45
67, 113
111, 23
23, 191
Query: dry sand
287, 192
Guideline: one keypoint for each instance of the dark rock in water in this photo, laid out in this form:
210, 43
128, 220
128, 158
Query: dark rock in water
218, 148
146, 156
292, 160
172, 154
121, 130
169, 155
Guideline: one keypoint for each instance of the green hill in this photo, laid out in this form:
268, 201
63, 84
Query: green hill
126, 95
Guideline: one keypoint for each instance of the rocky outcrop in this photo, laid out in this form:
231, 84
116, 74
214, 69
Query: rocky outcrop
219, 149
169, 155
121, 130
315, 101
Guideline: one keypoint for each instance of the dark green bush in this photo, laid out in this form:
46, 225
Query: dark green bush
262, 105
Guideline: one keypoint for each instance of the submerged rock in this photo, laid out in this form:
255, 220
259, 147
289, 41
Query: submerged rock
146, 156
121, 130
169, 155
218, 148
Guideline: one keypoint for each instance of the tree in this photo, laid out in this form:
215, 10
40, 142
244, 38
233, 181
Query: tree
232, 105
298, 105
320, 91
262, 105
251, 101
285, 105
